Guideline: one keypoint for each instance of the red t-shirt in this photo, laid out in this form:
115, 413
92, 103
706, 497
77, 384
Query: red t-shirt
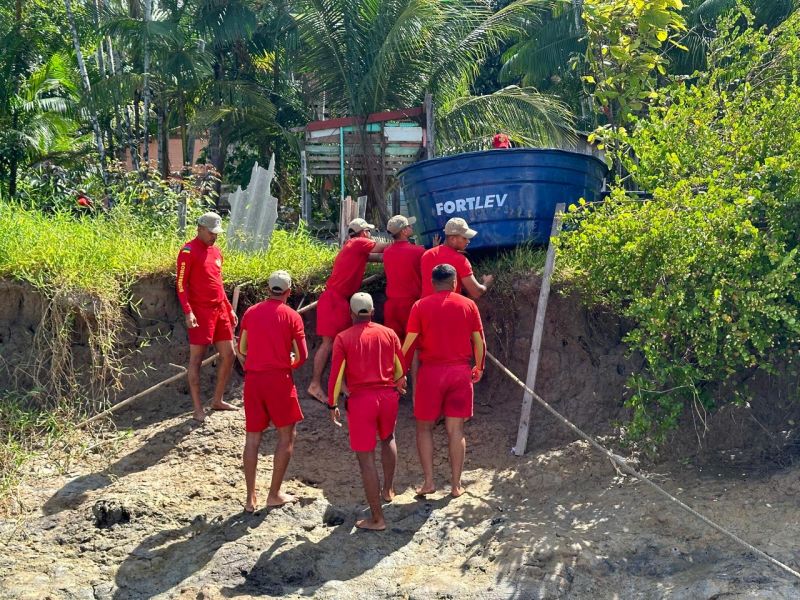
349, 266
441, 255
271, 328
444, 323
368, 352
200, 276
401, 263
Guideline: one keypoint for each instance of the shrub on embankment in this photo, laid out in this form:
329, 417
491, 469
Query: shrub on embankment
706, 271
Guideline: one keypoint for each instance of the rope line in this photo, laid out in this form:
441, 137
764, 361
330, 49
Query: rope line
622, 463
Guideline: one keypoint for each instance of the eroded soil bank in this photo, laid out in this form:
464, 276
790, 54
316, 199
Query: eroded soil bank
159, 513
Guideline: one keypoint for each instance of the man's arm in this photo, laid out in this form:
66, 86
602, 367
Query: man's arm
184, 268
300, 350
338, 364
375, 258
241, 351
478, 345
399, 367
475, 289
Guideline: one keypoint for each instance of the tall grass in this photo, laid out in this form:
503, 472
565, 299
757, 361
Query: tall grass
101, 256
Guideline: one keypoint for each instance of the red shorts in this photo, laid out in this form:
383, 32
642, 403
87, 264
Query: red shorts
213, 325
395, 314
270, 397
333, 314
443, 390
370, 413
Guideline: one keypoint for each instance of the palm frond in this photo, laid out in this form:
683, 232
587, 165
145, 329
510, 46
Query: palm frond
528, 117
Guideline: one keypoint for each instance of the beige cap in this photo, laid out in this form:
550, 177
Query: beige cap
361, 303
359, 225
398, 223
279, 281
211, 221
458, 226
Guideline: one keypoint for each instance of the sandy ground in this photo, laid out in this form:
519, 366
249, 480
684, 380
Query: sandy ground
555, 524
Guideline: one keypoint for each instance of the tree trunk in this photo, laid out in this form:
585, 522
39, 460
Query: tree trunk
148, 14
163, 141
99, 54
137, 122
87, 88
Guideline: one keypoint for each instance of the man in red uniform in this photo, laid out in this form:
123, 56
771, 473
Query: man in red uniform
368, 357
210, 318
457, 236
333, 310
272, 342
401, 263
446, 327
500, 140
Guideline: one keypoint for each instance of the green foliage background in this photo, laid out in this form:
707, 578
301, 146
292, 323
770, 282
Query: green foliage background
707, 270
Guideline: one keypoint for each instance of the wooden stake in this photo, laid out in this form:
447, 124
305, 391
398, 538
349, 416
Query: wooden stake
536, 340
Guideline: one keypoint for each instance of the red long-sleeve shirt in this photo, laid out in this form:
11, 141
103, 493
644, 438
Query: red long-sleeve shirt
274, 330
200, 276
367, 355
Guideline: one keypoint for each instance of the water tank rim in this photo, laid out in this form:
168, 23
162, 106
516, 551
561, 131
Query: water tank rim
451, 157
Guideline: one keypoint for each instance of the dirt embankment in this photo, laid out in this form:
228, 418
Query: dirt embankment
159, 514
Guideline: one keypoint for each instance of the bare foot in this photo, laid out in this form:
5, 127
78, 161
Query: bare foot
222, 405
457, 491
199, 416
250, 505
425, 489
388, 495
371, 525
315, 391
280, 499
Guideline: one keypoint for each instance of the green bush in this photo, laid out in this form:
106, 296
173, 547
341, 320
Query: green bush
707, 270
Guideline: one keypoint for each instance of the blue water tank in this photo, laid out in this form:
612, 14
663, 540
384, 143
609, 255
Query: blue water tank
509, 196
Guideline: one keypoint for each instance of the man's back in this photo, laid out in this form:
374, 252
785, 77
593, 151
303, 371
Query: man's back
271, 327
371, 353
402, 265
439, 255
444, 322
349, 266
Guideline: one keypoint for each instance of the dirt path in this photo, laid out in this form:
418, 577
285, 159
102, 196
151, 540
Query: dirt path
557, 524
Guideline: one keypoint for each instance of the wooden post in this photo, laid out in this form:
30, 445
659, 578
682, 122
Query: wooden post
430, 145
305, 204
536, 340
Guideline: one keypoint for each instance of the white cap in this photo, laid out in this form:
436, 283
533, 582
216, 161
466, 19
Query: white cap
361, 303
211, 221
359, 225
279, 281
458, 226
398, 222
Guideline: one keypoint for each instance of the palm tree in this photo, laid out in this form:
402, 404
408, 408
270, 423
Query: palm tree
35, 122
87, 88
372, 55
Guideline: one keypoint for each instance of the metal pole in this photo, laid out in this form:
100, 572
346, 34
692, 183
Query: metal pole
341, 164
536, 341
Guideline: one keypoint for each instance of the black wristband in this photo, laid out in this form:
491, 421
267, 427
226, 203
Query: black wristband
332, 407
